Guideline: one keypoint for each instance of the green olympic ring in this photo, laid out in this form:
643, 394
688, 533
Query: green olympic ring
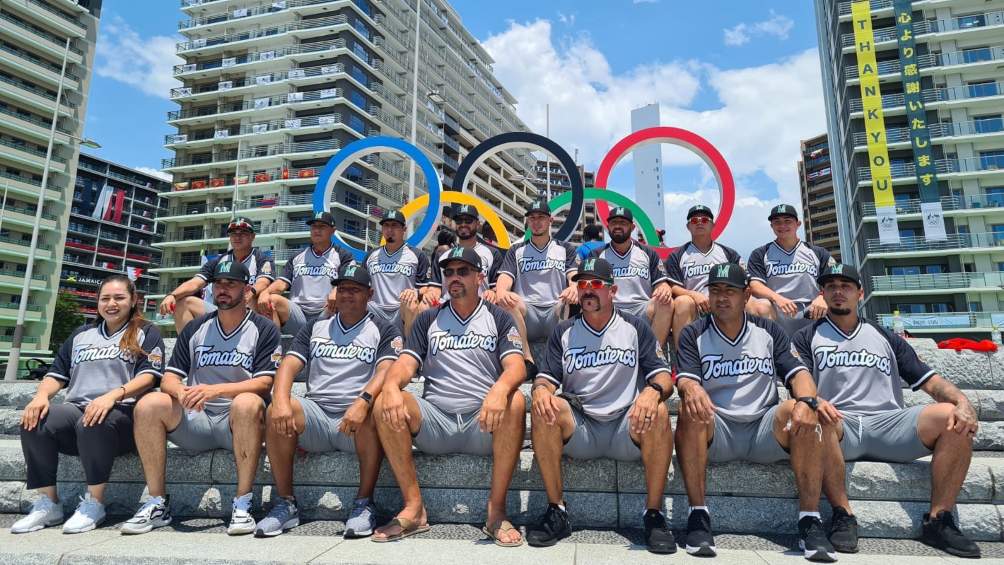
564, 199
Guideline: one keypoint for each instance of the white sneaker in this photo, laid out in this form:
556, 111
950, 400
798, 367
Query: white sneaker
44, 513
241, 521
89, 515
155, 513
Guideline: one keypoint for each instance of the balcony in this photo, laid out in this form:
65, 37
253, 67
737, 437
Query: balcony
900, 170
55, 44
39, 92
940, 322
258, 80
939, 131
219, 40
982, 242
273, 102
259, 152
42, 68
933, 283
923, 27
270, 55
260, 128
268, 8
934, 96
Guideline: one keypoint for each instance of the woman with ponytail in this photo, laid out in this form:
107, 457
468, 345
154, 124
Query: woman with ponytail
104, 366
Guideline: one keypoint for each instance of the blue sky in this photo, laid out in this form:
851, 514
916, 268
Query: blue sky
742, 74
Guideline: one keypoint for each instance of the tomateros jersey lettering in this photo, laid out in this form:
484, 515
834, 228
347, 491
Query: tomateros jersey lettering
258, 264
309, 276
91, 361
636, 272
539, 274
688, 267
714, 366
393, 273
792, 274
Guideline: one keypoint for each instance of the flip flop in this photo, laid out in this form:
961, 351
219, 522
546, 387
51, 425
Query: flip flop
407, 527
502, 526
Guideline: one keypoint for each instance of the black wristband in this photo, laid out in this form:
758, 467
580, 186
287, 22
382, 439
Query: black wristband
658, 388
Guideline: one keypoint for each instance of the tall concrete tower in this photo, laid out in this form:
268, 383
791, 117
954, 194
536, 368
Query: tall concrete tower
648, 167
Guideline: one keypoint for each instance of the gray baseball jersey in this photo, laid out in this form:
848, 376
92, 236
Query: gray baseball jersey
461, 359
259, 266
792, 274
539, 275
688, 267
341, 361
90, 362
309, 277
740, 375
860, 373
206, 355
491, 260
393, 273
636, 272
605, 369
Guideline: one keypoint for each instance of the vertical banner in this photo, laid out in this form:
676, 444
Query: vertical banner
871, 101
916, 116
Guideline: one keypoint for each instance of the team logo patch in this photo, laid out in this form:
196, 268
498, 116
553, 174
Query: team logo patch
513, 336
266, 269
156, 358
659, 352
397, 344
276, 358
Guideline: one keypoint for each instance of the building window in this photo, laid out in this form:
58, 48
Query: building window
992, 159
975, 306
976, 55
972, 20
988, 124
982, 88
907, 270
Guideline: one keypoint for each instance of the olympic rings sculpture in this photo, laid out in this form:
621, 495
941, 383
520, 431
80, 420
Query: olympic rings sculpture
574, 198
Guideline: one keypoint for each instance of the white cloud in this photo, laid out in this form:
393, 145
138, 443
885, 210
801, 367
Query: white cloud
777, 25
155, 173
143, 63
567, 19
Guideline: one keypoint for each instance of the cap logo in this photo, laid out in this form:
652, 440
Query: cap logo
589, 265
457, 252
723, 271
779, 209
319, 215
837, 269
225, 266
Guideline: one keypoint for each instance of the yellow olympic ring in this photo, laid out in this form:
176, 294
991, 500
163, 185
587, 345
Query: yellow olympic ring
463, 198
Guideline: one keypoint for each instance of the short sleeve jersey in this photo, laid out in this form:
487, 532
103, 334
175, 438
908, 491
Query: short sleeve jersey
90, 362
539, 274
860, 372
393, 273
309, 276
341, 360
491, 260
206, 355
740, 375
792, 274
688, 267
635, 273
259, 266
605, 369
461, 358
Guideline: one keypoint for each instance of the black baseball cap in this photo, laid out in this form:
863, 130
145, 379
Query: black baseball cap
595, 268
700, 210
783, 210
465, 210
728, 273
540, 206
620, 212
323, 217
240, 223
839, 271
229, 269
393, 216
352, 272
464, 254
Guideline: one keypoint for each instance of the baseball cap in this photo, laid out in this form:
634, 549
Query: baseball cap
465, 210
464, 254
540, 206
352, 272
595, 268
700, 209
620, 212
728, 273
234, 270
783, 210
393, 216
839, 271
323, 217
240, 223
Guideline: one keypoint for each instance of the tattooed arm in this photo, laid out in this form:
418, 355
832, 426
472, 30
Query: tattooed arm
963, 418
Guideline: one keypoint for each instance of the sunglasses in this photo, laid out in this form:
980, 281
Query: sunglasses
459, 271
594, 284
700, 220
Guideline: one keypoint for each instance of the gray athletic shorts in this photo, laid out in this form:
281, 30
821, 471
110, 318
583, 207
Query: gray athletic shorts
746, 441
443, 433
320, 430
887, 436
791, 326
298, 319
593, 439
640, 309
540, 321
202, 431
392, 316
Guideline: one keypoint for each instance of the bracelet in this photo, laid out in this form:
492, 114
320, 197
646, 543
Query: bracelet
123, 388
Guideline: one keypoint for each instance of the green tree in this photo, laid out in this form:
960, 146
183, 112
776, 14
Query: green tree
66, 318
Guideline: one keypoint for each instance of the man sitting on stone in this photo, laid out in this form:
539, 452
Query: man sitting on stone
858, 366
347, 356
730, 365
470, 354
608, 364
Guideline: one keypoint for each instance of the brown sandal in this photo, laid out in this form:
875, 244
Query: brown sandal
407, 527
493, 530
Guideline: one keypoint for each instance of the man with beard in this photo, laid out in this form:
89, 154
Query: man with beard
534, 281
468, 227
858, 366
184, 302
400, 275
614, 383
643, 289
470, 354
212, 396
784, 272
308, 277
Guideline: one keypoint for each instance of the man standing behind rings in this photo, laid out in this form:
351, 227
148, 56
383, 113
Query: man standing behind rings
468, 227
400, 275
308, 276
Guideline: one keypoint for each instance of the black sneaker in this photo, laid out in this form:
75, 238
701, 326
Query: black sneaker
843, 531
812, 541
658, 537
552, 528
700, 541
941, 532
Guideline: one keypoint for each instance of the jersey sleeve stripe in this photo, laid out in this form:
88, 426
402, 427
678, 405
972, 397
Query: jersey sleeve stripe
58, 377
655, 372
153, 372
176, 371
201, 276
793, 371
511, 274
285, 280
386, 358
435, 284
922, 380
688, 376
263, 374
298, 355
413, 354
549, 378
509, 352
674, 281
663, 278
764, 281
264, 276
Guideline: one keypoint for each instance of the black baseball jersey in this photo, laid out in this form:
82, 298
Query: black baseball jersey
539, 274
491, 260
636, 272
258, 264
688, 267
792, 274
860, 372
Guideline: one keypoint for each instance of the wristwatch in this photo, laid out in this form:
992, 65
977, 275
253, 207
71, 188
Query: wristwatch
810, 400
366, 396
658, 388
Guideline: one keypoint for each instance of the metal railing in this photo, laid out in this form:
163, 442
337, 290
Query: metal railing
939, 95
23, 243
293, 74
36, 91
937, 281
25, 149
52, 68
273, 101
218, 40
56, 41
268, 8
946, 320
940, 130
59, 13
985, 240
930, 26
256, 129
262, 56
